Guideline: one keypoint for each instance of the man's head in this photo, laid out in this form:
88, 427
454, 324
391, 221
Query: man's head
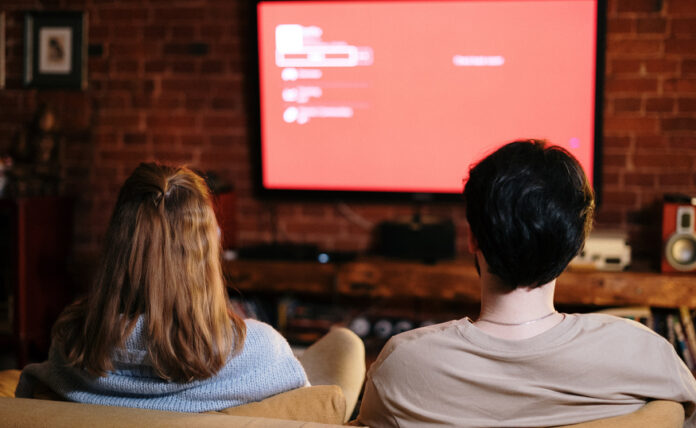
530, 208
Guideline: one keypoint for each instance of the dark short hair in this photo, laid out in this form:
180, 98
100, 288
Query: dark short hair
530, 208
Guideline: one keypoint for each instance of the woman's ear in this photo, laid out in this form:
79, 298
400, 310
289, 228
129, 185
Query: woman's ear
471, 239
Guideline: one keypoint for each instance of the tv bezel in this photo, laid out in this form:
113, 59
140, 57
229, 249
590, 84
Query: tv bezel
254, 118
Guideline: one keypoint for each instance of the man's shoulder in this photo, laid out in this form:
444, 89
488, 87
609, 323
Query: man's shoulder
419, 340
618, 330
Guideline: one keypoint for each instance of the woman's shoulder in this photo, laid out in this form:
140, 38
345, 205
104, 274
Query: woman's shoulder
262, 336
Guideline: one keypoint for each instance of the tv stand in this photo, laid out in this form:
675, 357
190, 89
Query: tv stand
451, 280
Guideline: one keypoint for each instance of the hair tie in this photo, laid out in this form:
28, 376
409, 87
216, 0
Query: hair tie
157, 198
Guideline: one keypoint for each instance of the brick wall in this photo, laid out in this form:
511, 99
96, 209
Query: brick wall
166, 82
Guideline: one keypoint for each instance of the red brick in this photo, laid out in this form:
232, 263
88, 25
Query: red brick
155, 66
651, 25
619, 198
610, 216
680, 46
627, 104
186, 85
223, 121
127, 66
616, 85
216, 32
689, 66
679, 124
123, 14
649, 142
662, 161
614, 160
620, 25
679, 179
184, 67
661, 65
630, 124
680, 85
639, 179
155, 32
172, 121
634, 46
226, 103
196, 103
625, 65
610, 179
134, 138
227, 140
169, 156
124, 155
681, 142
193, 140
126, 32
183, 32
212, 66
686, 104
98, 33
120, 120
659, 104
165, 140
616, 142
187, 14
638, 6
679, 7
683, 26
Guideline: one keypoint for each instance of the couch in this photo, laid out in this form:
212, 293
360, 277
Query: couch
328, 403
335, 366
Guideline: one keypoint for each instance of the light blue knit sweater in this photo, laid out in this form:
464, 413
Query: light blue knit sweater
265, 367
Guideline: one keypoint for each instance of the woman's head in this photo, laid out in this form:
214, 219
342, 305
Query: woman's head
161, 261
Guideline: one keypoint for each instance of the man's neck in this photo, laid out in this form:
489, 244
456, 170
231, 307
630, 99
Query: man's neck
526, 307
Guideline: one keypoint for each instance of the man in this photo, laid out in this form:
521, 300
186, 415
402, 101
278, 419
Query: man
522, 363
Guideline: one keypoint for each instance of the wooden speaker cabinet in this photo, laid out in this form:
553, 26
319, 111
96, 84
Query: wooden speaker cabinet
35, 243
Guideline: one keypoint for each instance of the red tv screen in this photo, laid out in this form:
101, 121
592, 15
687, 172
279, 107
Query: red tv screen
403, 96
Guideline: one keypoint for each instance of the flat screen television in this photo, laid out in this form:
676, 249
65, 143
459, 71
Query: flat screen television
399, 98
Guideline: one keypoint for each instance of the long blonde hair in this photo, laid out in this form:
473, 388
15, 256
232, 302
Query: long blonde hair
161, 261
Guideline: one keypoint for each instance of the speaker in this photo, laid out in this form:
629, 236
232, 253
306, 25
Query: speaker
422, 239
678, 234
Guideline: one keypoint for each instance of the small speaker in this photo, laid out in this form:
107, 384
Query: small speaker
679, 234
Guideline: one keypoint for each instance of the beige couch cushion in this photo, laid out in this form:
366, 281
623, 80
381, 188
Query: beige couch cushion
8, 382
28, 412
323, 404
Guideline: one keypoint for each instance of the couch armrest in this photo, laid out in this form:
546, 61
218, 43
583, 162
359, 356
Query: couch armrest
338, 358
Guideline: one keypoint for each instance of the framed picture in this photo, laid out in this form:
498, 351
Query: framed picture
2, 50
55, 49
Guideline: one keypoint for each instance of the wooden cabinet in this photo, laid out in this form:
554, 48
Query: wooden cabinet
35, 246
452, 280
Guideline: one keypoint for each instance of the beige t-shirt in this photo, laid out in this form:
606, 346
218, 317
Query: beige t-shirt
587, 367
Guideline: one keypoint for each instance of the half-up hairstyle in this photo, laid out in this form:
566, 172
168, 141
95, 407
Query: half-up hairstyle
161, 261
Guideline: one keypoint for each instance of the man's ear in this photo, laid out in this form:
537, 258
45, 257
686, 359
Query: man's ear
471, 239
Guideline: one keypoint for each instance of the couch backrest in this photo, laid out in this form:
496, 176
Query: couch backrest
24, 412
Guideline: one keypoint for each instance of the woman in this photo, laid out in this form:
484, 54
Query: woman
156, 330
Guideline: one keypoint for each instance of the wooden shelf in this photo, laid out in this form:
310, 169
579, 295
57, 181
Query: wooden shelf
451, 280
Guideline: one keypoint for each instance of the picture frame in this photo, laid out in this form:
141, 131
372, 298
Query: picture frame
2, 50
55, 49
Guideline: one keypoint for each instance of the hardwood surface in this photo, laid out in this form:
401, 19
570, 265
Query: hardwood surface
450, 280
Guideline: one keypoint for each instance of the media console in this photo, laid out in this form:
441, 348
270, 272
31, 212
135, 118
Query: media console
451, 280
